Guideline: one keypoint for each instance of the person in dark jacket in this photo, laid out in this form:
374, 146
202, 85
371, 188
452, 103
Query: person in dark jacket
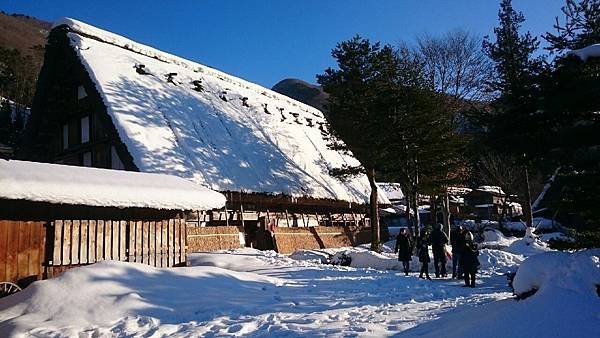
423, 250
469, 260
404, 249
457, 240
438, 240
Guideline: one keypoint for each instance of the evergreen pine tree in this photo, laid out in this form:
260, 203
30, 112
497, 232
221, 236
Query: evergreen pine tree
581, 26
511, 120
354, 106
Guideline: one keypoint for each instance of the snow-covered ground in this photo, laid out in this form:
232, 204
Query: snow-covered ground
252, 293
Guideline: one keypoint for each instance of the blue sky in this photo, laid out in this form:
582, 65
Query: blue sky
266, 41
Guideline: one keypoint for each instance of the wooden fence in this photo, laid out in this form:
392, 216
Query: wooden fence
22, 252
156, 243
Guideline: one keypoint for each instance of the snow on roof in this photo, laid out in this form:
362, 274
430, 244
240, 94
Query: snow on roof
231, 136
458, 190
62, 184
491, 188
393, 191
591, 51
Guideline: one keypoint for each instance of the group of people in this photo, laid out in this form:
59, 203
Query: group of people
464, 253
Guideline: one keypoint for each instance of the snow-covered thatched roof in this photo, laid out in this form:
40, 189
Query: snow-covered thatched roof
231, 136
393, 191
62, 184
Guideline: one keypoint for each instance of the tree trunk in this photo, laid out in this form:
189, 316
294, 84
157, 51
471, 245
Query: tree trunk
407, 211
375, 231
417, 217
527, 212
446, 213
432, 210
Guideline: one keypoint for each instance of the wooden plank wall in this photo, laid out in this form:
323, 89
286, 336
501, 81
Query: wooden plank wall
156, 243
22, 251
160, 243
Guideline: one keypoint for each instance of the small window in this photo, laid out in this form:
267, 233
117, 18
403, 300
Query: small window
115, 160
87, 159
65, 136
85, 129
81, 93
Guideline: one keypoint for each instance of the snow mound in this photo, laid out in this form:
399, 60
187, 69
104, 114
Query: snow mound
498, 260
363, 258
103, 293
560, 273
494, 239
529, 245
566, 304
314, 256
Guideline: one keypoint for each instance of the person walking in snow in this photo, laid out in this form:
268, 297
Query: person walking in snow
404, 249
469, 260
457, 241
423, 251
438, 240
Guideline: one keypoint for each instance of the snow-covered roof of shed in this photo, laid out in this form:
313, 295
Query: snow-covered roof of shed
591, 51
255, 141
491, 189
62, 184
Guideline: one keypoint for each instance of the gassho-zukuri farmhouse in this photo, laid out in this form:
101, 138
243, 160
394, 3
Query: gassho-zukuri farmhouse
108, 102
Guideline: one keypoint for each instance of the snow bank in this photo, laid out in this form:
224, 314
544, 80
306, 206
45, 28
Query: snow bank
84, 299
566, 304
232, 135
61, 184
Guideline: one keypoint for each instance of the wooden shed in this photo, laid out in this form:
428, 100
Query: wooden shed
53, 217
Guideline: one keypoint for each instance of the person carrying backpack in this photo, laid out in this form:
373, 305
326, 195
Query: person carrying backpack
469, 260
438, 240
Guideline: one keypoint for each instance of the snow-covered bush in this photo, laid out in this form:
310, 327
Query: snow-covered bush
362, 258
342, 258
559, 274
315, 256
